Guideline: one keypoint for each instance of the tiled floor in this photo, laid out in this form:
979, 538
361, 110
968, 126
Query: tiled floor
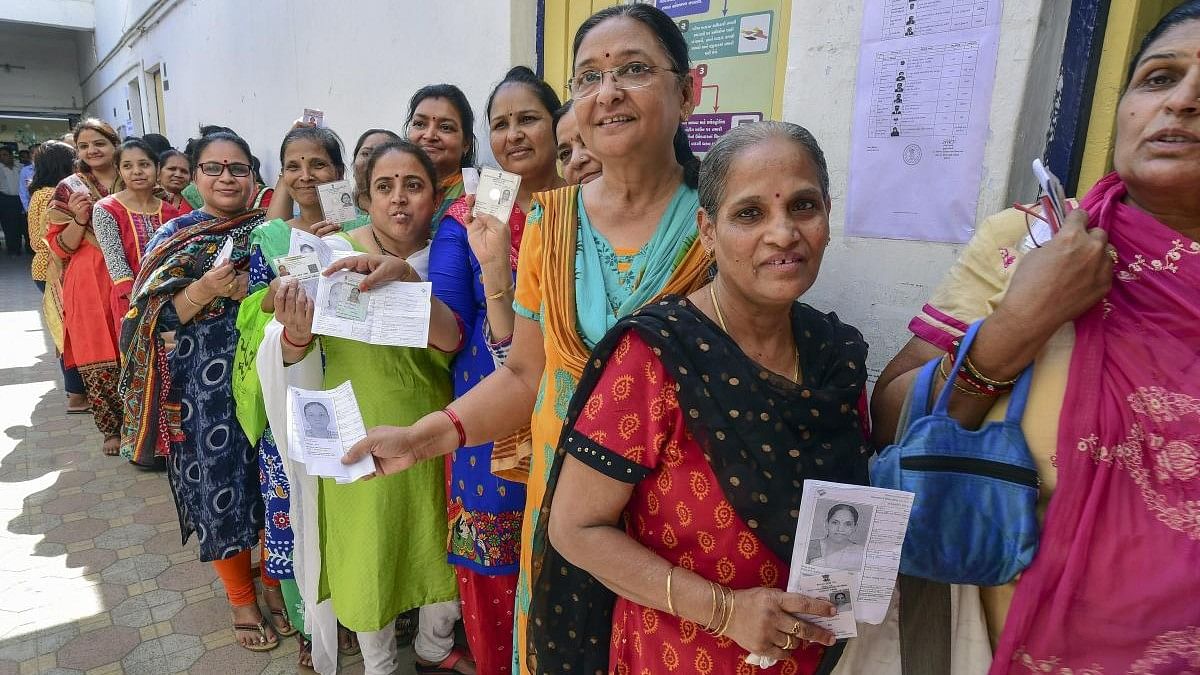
93, 578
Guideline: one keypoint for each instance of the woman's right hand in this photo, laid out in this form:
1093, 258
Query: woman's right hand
294, 309
379, 269
219, 281
490, 239
80, 205
1061, 280
763, 618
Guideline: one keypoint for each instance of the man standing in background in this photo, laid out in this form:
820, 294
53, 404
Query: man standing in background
26, 157
12, 216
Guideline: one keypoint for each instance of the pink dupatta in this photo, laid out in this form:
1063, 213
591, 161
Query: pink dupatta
1115, 586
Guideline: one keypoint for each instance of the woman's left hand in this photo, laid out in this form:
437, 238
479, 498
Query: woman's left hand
241, 286
764, 621
490, 239
379, 269
294, 309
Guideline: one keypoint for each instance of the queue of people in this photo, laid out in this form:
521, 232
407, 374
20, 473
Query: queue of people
596, 462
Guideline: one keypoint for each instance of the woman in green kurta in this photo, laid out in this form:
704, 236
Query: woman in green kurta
382, 542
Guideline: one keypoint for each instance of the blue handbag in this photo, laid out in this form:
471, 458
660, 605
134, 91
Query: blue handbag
974, 517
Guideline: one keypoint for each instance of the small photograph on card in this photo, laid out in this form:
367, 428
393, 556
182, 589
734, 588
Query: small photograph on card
838, 535
337, 201
497, 193
313, 116
838, 589
347, 301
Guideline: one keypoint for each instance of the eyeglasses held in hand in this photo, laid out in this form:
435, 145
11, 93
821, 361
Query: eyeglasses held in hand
236, 169
629, 76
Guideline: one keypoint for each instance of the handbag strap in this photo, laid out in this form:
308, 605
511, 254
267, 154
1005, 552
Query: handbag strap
1020, 392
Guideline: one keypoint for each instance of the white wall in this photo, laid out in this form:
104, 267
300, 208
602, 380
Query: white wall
48, 80
73, 14
254, 66
877, 284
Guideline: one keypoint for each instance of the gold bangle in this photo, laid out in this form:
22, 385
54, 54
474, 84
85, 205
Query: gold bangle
670, 603
728, 613
499, 294
712, 621
977, 394
189, 298
974, 372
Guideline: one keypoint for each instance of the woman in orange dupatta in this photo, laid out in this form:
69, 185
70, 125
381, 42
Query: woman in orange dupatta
90, 333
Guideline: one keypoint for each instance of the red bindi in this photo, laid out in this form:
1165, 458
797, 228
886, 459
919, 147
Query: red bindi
776, 195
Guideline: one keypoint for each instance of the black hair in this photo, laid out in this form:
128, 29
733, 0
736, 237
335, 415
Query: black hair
369, 133
326, 138
362, 190
199, 145
168, 154
158, 143
561, 113
842, 507
205, 130
524, 76
1188, 11
457, 99
676, 47
55, 161
256, 167
714, 170
136, 143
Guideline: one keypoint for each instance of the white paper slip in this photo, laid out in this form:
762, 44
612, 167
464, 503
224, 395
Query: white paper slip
337, 201
76, 184
314, 116
324, 426
303, 243
497, 193
855, 529
224, 254
394, 314
470, 180
838, 588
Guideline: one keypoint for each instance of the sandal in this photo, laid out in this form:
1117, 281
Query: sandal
446, 667
281, 613
261, 629
304, 658
347, 641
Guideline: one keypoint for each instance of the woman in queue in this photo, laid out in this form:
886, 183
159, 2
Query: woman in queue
125, 222
578, 165
90, 335
179, 402
174, 174
53, 162
441, 122
393, 530
309, 156
697, 421
1106, 312
589, 255
485, 509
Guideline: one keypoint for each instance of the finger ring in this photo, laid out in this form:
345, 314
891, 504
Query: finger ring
787, 646
1112, 253
796, 629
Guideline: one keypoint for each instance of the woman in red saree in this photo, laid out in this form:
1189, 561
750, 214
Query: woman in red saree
1107, 311
90, 332
125, 221
676, 487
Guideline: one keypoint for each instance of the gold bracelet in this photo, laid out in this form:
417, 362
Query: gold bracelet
670, 603
974, 372
728, 614
189, 298
499, 294
977, 394
712, 621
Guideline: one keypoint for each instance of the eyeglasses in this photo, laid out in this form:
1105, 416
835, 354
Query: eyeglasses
629, 76
236, 169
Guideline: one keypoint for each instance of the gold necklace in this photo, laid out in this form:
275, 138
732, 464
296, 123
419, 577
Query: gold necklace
712, 293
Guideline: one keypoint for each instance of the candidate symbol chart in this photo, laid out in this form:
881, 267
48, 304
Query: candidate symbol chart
923, 91
915, 18
735, 47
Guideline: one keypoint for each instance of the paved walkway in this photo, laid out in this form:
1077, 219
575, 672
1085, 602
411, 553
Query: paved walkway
93, 579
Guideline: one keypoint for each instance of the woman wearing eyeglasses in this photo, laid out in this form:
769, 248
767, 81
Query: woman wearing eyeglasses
179, 402
589, 255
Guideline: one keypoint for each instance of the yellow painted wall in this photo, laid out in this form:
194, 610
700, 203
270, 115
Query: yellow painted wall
1128, 21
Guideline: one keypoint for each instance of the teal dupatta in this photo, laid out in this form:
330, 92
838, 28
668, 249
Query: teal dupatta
652, 267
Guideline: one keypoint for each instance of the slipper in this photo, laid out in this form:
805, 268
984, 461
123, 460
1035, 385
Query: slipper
280, 613
446, 667
261, 628
86, 410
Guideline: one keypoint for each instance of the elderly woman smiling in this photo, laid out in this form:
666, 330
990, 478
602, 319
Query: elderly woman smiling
1109, 315
741, 394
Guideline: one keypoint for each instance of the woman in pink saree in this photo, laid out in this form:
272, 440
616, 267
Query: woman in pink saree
1108, 312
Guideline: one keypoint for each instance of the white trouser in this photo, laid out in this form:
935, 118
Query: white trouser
434, 640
